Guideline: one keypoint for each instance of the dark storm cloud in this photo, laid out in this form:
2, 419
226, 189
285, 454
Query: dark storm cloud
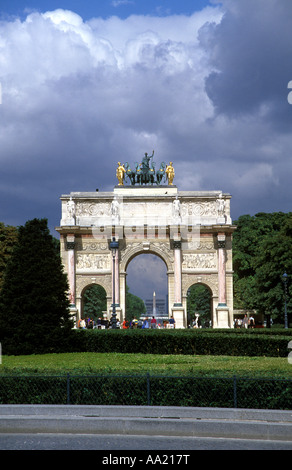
251, 52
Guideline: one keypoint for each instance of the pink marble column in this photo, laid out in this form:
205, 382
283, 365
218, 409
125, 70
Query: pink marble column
221, 269
71, 267
117, 279
177, 272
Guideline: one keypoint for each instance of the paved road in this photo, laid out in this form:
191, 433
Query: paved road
73, 427
114, 443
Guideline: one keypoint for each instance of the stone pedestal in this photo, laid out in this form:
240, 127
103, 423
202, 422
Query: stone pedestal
222, 317
178, 313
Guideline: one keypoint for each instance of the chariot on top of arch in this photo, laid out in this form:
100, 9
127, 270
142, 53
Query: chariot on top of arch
145, 172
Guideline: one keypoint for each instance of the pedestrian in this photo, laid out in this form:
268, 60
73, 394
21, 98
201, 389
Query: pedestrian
134, 323
145, 323
251, 322
245, 321
125, 324
153, 322
171, 322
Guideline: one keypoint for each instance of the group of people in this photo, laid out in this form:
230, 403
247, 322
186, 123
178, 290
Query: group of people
147, 324
245, 322
104, 323
100, 323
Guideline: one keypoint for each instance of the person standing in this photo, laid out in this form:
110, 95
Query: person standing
245, 321
153, 322
172, 322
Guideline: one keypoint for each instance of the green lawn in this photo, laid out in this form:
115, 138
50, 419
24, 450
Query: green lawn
88, 363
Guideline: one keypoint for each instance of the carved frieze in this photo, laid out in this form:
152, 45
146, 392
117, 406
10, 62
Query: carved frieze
93, 261
199, 261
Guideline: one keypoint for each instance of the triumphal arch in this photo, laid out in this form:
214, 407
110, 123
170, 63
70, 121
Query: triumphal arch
191, 231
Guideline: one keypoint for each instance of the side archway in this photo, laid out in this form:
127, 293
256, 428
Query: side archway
199, 306
93, 302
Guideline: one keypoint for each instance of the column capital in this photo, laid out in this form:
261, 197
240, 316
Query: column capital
70, 242
176, 244
221, 239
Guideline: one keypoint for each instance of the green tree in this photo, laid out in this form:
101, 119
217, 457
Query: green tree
94, 301
135, 306
34, 305
275, 257
8, 239
262, 251
199, 301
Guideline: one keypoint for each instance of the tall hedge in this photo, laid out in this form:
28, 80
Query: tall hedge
197, 342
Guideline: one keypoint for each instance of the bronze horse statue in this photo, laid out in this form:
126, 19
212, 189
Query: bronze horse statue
143, 173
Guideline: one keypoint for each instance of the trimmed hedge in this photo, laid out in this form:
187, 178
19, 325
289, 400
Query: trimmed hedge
197, 342
270, 343
133, 390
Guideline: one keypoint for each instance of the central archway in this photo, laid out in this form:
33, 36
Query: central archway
140, 256
146, 275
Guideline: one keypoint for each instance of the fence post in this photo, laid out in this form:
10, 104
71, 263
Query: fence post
234, 391
68, 389
148, 389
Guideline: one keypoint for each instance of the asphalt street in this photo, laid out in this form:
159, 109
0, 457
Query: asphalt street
116, 443
120, 429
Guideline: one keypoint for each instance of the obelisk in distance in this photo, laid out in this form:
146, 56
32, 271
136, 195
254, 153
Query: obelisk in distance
154, 304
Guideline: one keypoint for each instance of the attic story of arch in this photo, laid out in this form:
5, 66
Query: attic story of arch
191, 231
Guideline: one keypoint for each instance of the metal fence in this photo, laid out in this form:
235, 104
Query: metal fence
110, 389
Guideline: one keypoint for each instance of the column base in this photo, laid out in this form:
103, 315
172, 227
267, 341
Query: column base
222, 316
178, 313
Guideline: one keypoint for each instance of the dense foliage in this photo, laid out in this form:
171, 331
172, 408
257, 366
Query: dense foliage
94, 302
34, 306
8, 238
262, 252
199, 302
183, 341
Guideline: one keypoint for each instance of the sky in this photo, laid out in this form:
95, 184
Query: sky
87, 84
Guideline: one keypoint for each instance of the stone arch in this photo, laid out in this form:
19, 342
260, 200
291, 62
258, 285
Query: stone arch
208, 288
136, 249
210, 282
85, 289
84, 282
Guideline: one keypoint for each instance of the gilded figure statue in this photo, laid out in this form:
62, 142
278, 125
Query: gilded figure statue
121, 173
170, 173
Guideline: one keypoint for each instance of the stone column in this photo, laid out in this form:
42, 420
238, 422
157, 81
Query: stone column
117, 279
178, 312
177, 273
71, 267
222, 311
221, 268
70, 245
116, 286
